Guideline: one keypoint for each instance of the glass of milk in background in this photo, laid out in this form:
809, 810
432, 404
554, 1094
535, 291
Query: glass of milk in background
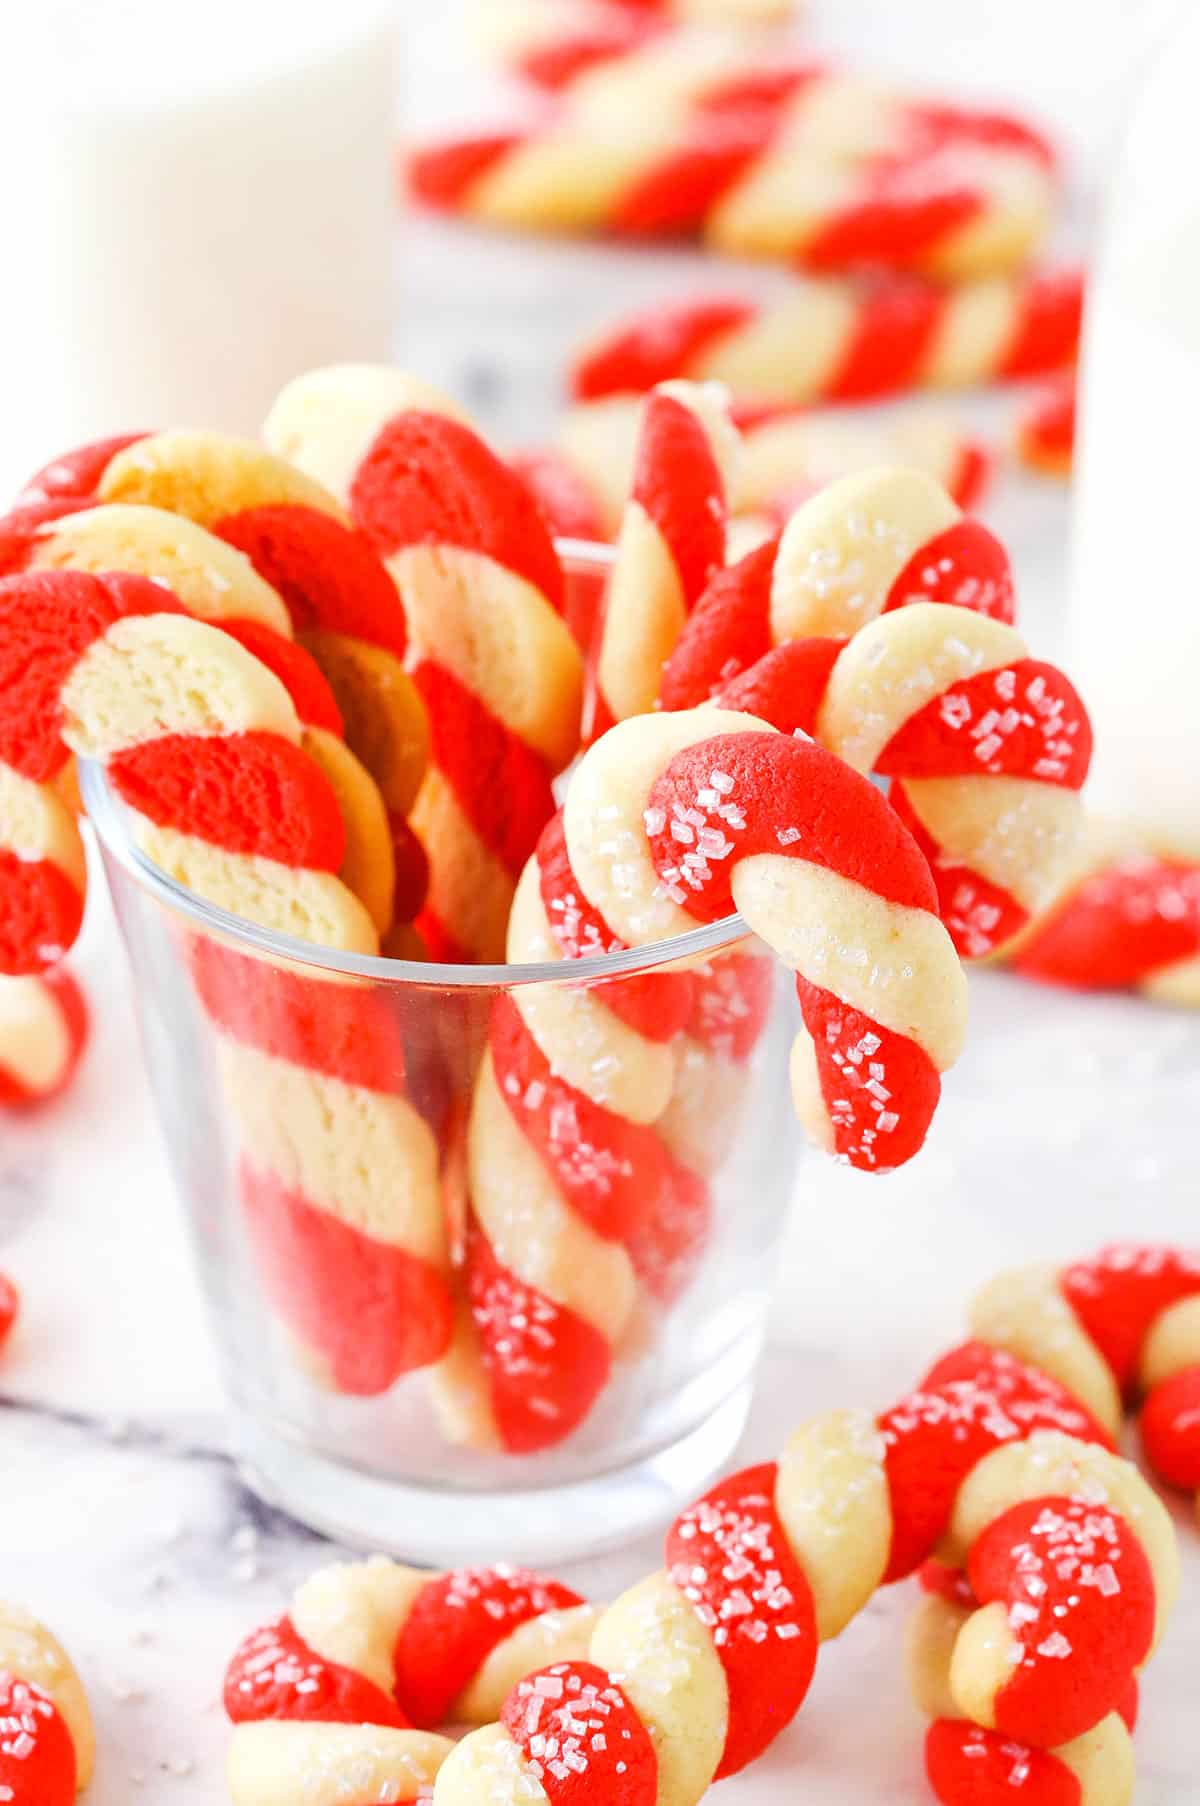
198, 203
1135, 596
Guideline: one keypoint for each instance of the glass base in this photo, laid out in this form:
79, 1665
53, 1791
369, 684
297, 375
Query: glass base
435, 1527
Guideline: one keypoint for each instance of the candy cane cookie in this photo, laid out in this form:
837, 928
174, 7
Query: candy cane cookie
47, 1744
819, 869
43, 1032
203, 742
582, 1215
498, 669
1045, 435
1120, 1327
785, 456
695, 1671
833, 342
780, 163
343, 608
217, 583
670, 545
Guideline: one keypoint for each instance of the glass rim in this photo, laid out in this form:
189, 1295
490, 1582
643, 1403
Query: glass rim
105, 814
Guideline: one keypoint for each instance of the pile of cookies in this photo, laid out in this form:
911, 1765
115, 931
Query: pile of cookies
917, 227
334, 676
1047, 1565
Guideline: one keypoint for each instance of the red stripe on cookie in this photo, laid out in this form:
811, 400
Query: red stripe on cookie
1170, 1429
966, 566
274, 1674
847, 825
728, 630
564, 500
441, 175
296, 669
1078, 1591
502, 785
893, 326
455, 1622
678, 482
880, 1089
730, 1557
655, 346
546, 1365
979, 916
345, 1031
252, 793
37, 1755
21, 530
582, 1738
329, 575
371, 1310
902, 217
1048, 324
968, 1766
41, 912
1118, 927
617, 1175
48, 619
1029, 1397
676, 193
429, 480
787, 686
77, 474
1025, 720
970, 477
731, 1001
10, 1306
557, 63
1120, 1292
657, 1005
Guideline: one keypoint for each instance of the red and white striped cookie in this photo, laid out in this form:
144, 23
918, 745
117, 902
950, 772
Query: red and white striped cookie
294, 535
1045, 435
677, 819
839, 342
43, 1032
216, 582
47, 1744
1121, 1327
670, 545
695, 1671
587, 1199
784, 162
203, 742
1128, 921
491, 655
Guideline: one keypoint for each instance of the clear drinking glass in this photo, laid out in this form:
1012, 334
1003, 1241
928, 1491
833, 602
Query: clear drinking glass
321, 1110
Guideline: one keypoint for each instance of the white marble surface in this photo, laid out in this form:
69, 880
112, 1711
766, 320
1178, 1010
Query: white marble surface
1069, 1121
